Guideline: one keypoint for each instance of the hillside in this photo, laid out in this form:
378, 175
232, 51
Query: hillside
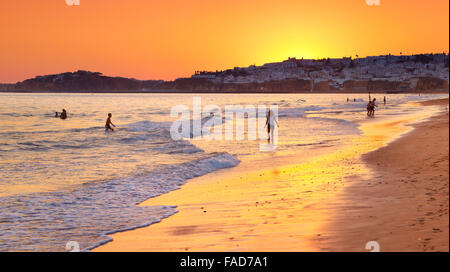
79, 81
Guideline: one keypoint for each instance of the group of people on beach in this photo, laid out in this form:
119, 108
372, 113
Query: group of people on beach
371, 105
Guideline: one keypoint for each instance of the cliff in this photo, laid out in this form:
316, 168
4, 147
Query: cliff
431, 84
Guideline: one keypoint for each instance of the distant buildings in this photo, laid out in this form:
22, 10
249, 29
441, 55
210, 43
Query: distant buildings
337, 70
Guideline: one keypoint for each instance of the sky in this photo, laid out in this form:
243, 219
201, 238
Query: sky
167, 39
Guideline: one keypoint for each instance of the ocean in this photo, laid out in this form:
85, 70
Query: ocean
69, 180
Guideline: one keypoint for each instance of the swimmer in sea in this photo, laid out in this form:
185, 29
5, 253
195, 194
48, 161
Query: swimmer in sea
63, 114
109, 123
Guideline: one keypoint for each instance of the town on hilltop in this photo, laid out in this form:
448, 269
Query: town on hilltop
335, 72
395, 74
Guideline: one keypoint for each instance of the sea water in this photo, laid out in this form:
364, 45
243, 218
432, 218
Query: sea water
69, 180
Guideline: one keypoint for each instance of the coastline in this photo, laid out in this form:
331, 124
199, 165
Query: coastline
282, 206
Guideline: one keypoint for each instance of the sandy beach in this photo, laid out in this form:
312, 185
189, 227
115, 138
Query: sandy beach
389, 186
404, 204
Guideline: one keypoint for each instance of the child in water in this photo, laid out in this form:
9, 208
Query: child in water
109, 123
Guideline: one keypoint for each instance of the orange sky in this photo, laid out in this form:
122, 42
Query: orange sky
165, 39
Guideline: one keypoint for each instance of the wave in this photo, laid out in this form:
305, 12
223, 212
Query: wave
150, 136
88, 214
13, 114
298, 111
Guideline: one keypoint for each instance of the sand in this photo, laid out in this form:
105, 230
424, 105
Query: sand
406, 200
381, 187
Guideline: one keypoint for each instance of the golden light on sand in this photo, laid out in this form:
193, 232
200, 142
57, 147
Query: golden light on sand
244, 210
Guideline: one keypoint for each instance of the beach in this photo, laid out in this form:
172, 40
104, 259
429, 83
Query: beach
389, 186
404, 205
129, 179
251, 127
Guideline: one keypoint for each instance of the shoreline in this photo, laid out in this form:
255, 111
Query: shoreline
404, 204
287, 207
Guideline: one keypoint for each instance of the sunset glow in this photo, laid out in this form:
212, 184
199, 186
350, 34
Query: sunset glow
156, 39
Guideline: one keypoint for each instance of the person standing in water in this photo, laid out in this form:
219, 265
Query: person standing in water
63, 114
270, 123
372, 107
109, 123
384, 100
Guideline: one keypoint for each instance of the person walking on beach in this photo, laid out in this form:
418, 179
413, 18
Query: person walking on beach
270, 123
63, 114
384, 100
109, 123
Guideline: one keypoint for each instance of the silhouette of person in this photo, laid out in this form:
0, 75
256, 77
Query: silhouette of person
63, 114
372, 106
271, 120
109, 123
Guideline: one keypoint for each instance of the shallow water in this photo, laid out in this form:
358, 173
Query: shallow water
68, 180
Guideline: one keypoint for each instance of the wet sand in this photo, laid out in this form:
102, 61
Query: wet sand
406, 200
338, 200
